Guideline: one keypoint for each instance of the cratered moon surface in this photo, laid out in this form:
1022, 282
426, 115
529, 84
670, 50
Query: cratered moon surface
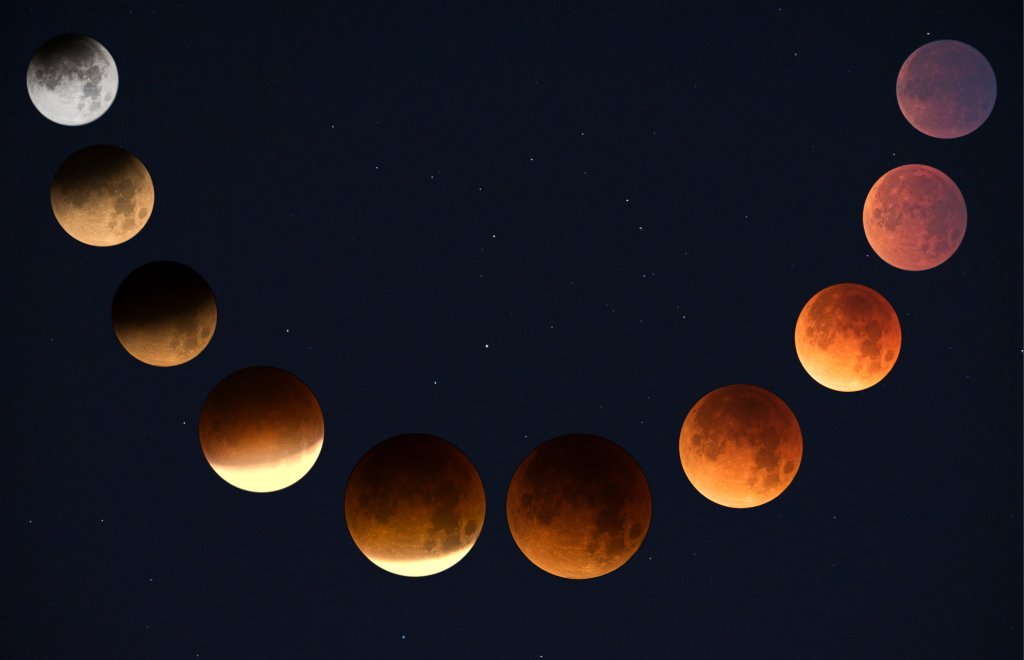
914, 217
414, 505
578, 506
102, 195
261, 429
740, 446
848, 337
946, 89
164, 314
72, 79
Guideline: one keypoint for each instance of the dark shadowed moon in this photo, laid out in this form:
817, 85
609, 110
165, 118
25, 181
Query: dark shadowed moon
164, 314
740, 446
414, 505
914, 217
946, 89
847, 337
72, 79
102, 195
261, 429
579, 506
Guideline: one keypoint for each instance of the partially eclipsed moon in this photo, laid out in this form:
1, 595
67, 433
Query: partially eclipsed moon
102, 195
261, 429
414, 505
847, 337
740, 446
72, 80
578, 506
164, 314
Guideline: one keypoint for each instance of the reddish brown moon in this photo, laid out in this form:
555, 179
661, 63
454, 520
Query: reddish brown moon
847, 337
261, 429
578, 506
414, 505
164, 314
914, 217
946, 89
740, 446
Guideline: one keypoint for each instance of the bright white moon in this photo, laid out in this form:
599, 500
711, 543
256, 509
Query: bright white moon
72, 80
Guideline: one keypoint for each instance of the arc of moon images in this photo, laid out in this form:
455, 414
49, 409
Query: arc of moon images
578, 506
847, 337
72, 80
740, 446
261, 429
164, 314
914, 217
946, 89
102, 195
414, 505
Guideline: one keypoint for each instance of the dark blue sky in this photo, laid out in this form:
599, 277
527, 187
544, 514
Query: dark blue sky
498, 226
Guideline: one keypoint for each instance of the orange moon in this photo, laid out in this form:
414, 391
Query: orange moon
261, 429
164, 314
914, 217
740, 446
102, 195
578, 506
848, 337
946, 89
414, 505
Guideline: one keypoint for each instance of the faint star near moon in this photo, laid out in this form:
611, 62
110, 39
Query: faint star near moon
72, 80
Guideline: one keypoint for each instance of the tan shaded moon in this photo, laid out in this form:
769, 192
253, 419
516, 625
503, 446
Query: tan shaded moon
414, 505
847, 337
914, 217
102, 195
578, 506
740, 446
946, 89
164, 314
261, 429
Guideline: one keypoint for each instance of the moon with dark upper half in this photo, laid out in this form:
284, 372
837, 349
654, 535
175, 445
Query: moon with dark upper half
102, 195
164, 314
848, 337
72, 80
946, 89
579, 506
261, 429
414, 505
914, 217
740, 446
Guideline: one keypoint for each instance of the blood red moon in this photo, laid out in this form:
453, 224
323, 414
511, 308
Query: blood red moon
578, 506
914, 217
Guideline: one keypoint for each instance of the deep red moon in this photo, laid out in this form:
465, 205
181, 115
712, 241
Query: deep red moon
414, 505
578, 506
946, 89
740, 446
914, 217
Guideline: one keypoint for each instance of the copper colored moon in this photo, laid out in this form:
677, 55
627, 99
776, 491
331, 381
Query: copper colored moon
848, 337
914, 217
740, 446
102, 195
946, 89
578, 506
414, 505
164, 314
261, 429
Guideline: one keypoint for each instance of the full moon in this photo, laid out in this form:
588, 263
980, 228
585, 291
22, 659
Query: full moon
414, 505
72, 80
914, 217
740, 446
848, 337
102, 195
578, 506
261, 429
946, 89
164, 314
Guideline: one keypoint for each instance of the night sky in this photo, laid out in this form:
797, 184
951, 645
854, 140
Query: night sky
498, 226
